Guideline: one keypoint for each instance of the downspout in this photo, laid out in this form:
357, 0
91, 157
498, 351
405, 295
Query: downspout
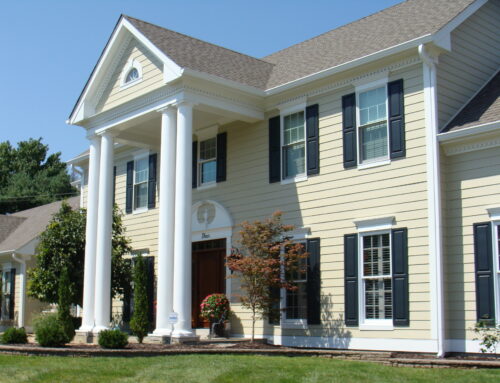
22, 295
434, 199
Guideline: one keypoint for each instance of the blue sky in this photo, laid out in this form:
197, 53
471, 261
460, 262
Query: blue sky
50, 47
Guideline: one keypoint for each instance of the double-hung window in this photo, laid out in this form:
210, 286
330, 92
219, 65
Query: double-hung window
141, 175
293, 145
207, 162
376, 278
296, 300
373, 143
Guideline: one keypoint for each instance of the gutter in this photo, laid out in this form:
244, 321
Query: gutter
468, 132
22, 299
434, 198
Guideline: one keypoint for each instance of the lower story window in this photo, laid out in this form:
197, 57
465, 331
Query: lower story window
296, 300
377, 279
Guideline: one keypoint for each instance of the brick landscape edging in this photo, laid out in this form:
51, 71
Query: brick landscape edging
378, 357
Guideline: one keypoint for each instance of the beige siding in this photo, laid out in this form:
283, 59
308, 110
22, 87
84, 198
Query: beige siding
327, 204
475, 57
472, 185
152, 77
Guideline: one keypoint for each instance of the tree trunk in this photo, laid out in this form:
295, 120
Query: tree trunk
253, 327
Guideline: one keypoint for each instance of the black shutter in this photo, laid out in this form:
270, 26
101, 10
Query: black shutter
128, 295
400, 296
274, 150
274, 314
114, 185
312, 127
152, 181
12, 293
349, 130
129, 188
195, 165
351, 279
483, 258
221, 156
313, 282
396, 119
150, 288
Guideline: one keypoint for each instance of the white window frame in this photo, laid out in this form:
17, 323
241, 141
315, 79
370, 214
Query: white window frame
494, 213
131, 64
368, 227
284, 112
362, 88
5, 287
139, 156
199, 182
299, 236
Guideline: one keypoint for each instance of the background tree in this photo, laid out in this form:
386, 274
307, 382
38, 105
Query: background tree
30, 177
139, 324
262, 262
62, 245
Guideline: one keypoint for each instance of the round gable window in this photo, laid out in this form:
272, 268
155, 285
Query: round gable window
132, 75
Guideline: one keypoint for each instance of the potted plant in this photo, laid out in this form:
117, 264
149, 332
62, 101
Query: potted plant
215, 309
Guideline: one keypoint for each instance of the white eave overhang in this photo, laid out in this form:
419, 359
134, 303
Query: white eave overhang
466, 133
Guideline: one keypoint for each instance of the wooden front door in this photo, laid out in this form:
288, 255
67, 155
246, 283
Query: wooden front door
208, 275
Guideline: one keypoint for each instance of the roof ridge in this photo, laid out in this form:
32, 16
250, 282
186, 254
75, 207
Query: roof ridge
197, 39
340, 27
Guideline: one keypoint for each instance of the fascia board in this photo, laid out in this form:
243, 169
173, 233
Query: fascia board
469, 132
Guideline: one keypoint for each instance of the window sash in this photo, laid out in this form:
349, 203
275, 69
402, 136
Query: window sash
141, 178
293, 146
295, 305
207, 161
132, 75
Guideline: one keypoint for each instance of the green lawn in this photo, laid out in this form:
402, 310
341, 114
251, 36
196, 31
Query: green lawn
222, 368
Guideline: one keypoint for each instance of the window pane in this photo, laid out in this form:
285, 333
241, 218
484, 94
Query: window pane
372, 106
208, 149
132, 75
208, 171
141, 170
374, 141
296, 302
293, 130
376, 255
141, 195
378, 298
294, 160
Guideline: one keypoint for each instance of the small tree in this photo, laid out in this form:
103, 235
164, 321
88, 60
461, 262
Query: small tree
139, 324
265, 256
63, 309
62, 245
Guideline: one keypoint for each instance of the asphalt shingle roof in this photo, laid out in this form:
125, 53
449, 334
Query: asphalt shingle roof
482, 109
392, 26
30, 223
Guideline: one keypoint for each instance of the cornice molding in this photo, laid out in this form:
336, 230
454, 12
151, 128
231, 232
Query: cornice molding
348, 81
452, 150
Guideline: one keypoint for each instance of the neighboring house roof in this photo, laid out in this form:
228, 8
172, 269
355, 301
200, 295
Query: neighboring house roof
30, 223
483, 108
8, 224
390, 27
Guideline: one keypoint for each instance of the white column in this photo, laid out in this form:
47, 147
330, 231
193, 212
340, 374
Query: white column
182, 242
104, 232
164, 295
91, 235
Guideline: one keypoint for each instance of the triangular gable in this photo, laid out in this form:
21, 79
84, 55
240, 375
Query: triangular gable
120, 39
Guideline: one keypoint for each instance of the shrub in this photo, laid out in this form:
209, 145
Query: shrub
64, 302
113, 339
489, 335
215, 307
49, 331
139, 324
14, 336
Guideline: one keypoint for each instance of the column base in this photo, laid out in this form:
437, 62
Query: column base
84, 337
161, 332
157, 339
85, 328
98, 329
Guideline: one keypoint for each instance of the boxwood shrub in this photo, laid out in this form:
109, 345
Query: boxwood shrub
14, 336
112, 339
50, 332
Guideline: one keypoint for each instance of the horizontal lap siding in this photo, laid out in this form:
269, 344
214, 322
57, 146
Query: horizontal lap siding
474, 58
152, 77
472, 183
328, 204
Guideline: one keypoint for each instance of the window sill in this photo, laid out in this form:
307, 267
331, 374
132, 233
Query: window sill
131, 83
374, 164
140, 211
300, 324
207, 186
299, 178
376, 327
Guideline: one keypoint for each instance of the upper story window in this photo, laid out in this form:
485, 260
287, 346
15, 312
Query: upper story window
207, 162
132, 75
141, 174
372, 128
293, 145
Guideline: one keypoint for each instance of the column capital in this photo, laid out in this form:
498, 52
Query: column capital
166, 109
107, 133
